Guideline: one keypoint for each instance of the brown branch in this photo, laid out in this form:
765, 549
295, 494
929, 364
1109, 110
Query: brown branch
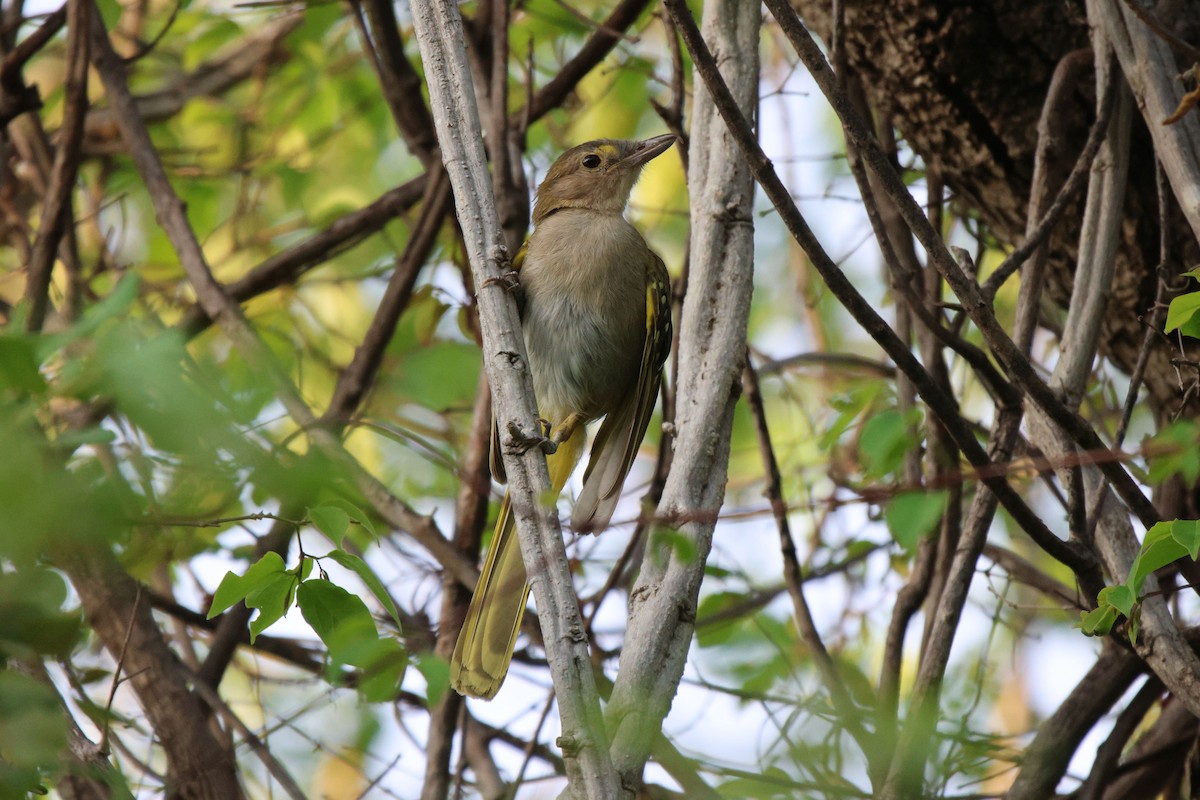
943, 405
360, 374
397, 78
213, 77
274, 767
57, 211
1044, 158
1023, 571
1152, 22
1045, 760
1158, 756
1108, 755
198, 766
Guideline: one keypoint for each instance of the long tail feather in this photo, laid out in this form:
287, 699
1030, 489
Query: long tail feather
489, 632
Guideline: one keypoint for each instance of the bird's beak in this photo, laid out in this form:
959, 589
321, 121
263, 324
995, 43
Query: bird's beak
648, 149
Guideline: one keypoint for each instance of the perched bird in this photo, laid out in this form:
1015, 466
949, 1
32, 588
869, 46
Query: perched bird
596, 317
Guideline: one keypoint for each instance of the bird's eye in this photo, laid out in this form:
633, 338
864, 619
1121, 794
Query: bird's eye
591, 161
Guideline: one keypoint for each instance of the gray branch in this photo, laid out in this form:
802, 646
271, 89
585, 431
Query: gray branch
711, 353
439, 34
1149, 66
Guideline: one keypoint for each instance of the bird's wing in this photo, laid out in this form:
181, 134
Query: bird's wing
495, 459
621, 433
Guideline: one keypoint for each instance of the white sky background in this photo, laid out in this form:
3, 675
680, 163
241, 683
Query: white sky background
796, 133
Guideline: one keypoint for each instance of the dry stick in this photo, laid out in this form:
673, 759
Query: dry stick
905, 275
15, 97
1155, 323
438, 26
508, 176
1159, 758
197, 764
1149, 66
218, 306
1181, 47
1023, 571
57, 210
601, 43
210, 78
792, 573
352, 228
942, 405
1019, 368
1046, 156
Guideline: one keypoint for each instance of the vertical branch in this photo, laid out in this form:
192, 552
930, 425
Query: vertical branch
584, 741
711, 351
66, 162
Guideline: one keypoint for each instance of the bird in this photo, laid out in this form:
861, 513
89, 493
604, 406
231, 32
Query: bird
595, 305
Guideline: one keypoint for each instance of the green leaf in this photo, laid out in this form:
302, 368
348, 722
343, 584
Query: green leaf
885, 438
1187, 533
33, 730
1099, 621
1181, 311
234, 588
436, 671
1159, 549
368, 576
331, 521
347, 628
19, 365
666, 541
356, 514
1174, 451
272, 601
911, 516
1120, 597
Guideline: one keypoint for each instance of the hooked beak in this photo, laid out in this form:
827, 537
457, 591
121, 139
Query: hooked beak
649, 149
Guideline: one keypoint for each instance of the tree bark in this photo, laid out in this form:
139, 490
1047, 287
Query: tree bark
964, 83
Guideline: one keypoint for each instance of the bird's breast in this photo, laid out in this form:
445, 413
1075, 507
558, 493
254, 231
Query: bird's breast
584, 278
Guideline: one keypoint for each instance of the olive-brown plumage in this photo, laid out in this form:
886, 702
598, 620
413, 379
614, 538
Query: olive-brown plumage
597, 325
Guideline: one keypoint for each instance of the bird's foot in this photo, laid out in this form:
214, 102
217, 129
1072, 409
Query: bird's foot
509, 281
520, 441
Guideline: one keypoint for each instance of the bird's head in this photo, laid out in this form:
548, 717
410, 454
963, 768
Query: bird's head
596, 175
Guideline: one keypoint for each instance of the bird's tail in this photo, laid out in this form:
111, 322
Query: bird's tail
489, 632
